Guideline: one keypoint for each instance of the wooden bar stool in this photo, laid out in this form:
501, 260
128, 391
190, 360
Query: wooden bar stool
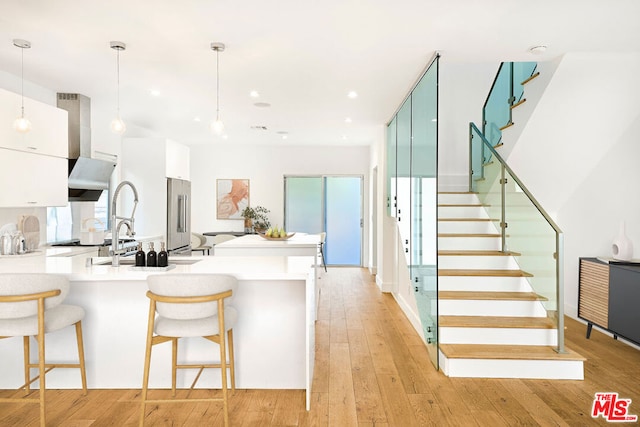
191, 305
31, 305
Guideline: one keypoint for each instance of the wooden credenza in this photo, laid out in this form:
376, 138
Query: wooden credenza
609, 297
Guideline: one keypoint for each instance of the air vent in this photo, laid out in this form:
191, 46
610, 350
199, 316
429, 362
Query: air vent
259, 127
68, 96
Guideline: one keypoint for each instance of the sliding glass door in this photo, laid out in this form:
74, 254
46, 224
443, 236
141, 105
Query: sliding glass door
332, 204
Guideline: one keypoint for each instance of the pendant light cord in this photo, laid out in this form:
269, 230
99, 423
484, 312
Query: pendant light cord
118, 78
22, 78
217, 84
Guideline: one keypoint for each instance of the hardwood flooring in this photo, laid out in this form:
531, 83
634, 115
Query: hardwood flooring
371, 370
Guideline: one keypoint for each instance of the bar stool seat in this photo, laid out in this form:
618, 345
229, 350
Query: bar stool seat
191, 305
31, 305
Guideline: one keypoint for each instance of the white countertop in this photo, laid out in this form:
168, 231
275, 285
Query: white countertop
76, 269
254, 240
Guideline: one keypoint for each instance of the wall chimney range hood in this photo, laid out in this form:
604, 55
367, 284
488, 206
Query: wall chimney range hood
88, 177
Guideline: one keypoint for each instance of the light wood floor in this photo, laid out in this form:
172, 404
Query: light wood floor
372, 370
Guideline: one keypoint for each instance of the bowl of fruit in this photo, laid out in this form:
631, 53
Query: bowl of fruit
276, 233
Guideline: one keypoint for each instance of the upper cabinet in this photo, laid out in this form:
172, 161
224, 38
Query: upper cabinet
32, 180
49, 128
177, 160
35, 170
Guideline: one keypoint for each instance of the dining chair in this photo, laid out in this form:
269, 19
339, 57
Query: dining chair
31, 305
323, 238
191, 305
199, 243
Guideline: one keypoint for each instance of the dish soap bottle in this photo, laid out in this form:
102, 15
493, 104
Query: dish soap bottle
163, 256
140, 257
152, 260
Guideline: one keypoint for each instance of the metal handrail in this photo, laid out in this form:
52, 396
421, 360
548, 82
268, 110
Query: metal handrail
559, 235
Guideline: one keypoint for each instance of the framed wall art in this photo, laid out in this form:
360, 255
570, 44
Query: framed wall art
232, 196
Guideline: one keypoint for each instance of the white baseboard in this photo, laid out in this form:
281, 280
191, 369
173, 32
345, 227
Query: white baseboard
384, 287
413, 318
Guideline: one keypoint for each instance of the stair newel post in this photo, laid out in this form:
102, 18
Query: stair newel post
503, 216
560, 289
512, 98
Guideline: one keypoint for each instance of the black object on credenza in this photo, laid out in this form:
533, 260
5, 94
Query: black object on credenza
609, 297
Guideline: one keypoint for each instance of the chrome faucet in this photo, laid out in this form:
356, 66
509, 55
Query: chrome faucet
127, 221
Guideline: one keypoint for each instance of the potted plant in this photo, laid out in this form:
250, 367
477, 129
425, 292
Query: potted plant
256, 218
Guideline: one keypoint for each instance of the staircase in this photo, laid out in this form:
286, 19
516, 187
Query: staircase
491, 323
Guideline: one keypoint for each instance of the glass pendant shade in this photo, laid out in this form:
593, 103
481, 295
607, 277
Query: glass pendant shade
22, 125
118, 126
217, 127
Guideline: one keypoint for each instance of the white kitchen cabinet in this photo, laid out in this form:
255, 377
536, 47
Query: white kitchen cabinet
177, 160
49, 127
28, 179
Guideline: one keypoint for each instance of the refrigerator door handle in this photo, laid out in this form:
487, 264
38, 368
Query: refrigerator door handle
181, 214
185, 203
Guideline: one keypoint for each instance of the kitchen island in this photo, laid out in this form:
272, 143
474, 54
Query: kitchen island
274, 337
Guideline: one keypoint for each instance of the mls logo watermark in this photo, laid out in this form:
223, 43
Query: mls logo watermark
612, 408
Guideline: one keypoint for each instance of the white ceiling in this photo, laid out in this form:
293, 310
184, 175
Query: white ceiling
302, 56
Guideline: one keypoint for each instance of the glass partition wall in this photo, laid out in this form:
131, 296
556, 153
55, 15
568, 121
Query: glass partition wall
412, 141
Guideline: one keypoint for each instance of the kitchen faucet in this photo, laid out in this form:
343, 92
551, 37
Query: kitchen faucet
128, 221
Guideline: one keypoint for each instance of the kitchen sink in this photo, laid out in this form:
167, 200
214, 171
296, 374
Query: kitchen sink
132, 261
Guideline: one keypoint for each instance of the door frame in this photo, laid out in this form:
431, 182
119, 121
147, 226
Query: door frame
323, 204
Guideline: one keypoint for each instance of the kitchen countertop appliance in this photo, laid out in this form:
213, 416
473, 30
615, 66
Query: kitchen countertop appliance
178, 217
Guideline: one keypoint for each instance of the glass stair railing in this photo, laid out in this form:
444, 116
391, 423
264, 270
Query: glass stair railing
506, 92
525, 227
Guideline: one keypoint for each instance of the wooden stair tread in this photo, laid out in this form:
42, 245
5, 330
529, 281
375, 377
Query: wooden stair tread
491, 296
468, 219
482, 273
508, 125
457, 192
468, 235
528, 79
453, 252
522, 101
507, 352
496, 322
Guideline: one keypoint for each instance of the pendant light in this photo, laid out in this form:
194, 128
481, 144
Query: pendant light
117, 125
22, 124
217, 126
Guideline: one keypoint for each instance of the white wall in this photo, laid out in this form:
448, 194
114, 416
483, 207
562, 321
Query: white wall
579, 154
265, 167
463, 88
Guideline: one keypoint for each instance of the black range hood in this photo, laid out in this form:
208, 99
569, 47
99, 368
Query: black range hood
88, 177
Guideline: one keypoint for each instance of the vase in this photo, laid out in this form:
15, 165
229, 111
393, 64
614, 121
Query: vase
622, 246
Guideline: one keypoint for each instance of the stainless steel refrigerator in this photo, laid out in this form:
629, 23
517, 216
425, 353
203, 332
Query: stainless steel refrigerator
178, 216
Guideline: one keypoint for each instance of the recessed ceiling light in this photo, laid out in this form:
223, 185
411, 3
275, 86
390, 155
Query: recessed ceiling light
538, 49
225, 136
348, 120
344, 137
352, 94
254, 94
154, 92
196, 119
262, 104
